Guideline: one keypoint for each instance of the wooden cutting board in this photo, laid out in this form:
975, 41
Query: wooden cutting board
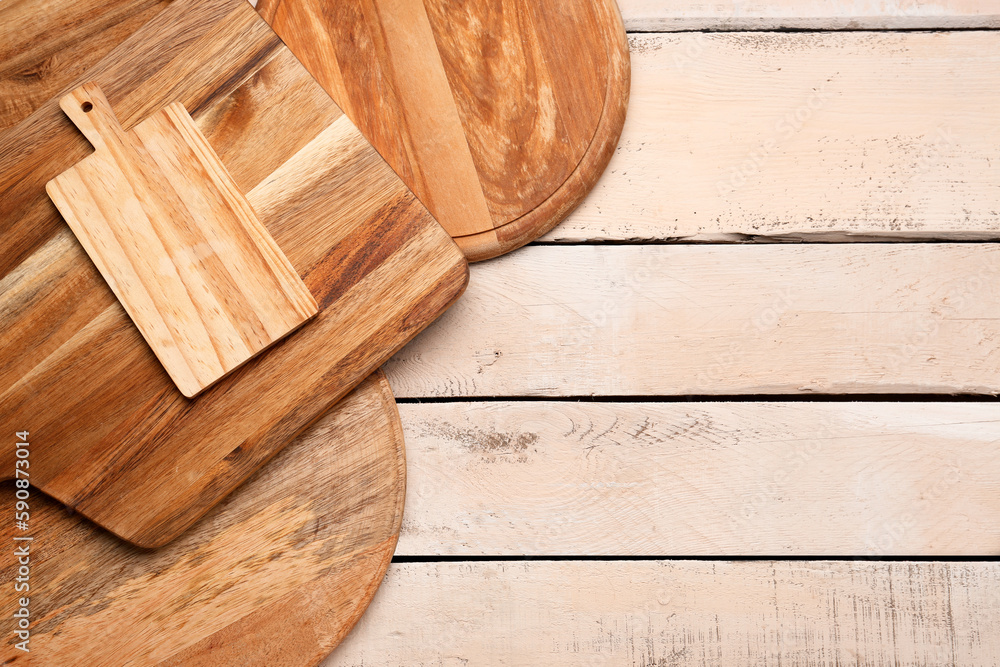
111, 436
163, 221
499, 114
275, 575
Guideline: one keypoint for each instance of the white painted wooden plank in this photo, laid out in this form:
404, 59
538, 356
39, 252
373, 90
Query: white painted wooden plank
657, 15
680, 613
722, 319
761, 479
821, 136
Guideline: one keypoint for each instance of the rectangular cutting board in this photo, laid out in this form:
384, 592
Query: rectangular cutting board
175, 239
111, 436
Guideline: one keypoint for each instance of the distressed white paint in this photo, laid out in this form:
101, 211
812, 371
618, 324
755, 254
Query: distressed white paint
725, 319
900, 141
817, 136
682, 478
680, 613
657, 15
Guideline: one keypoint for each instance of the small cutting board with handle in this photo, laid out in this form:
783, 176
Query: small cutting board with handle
111, 435
177, 242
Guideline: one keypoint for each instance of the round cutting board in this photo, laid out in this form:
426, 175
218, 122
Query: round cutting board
499, 114
275, 575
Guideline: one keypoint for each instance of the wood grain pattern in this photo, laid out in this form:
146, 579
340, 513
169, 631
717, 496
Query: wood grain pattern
804, 136
40, 56
109, 423
737, 319
499, 115
655, 15
276, 575
684, 613
177, 242
701, 479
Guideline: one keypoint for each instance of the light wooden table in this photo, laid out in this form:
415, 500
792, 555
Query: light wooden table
643, 441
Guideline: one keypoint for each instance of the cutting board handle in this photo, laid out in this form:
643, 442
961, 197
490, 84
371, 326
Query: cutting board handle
91, 112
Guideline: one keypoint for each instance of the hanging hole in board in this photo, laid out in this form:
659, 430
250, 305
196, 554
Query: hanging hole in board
86, 106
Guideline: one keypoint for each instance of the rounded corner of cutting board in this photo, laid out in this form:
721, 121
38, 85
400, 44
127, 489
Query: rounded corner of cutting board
541, 219
288, 601
482, 229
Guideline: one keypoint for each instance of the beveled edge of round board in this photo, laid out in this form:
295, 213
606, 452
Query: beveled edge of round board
541, 219
275, 575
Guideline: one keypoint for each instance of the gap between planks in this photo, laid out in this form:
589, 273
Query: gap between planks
450, 446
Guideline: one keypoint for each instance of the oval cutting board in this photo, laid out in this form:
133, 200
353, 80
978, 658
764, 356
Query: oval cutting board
500, 115
275, 575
